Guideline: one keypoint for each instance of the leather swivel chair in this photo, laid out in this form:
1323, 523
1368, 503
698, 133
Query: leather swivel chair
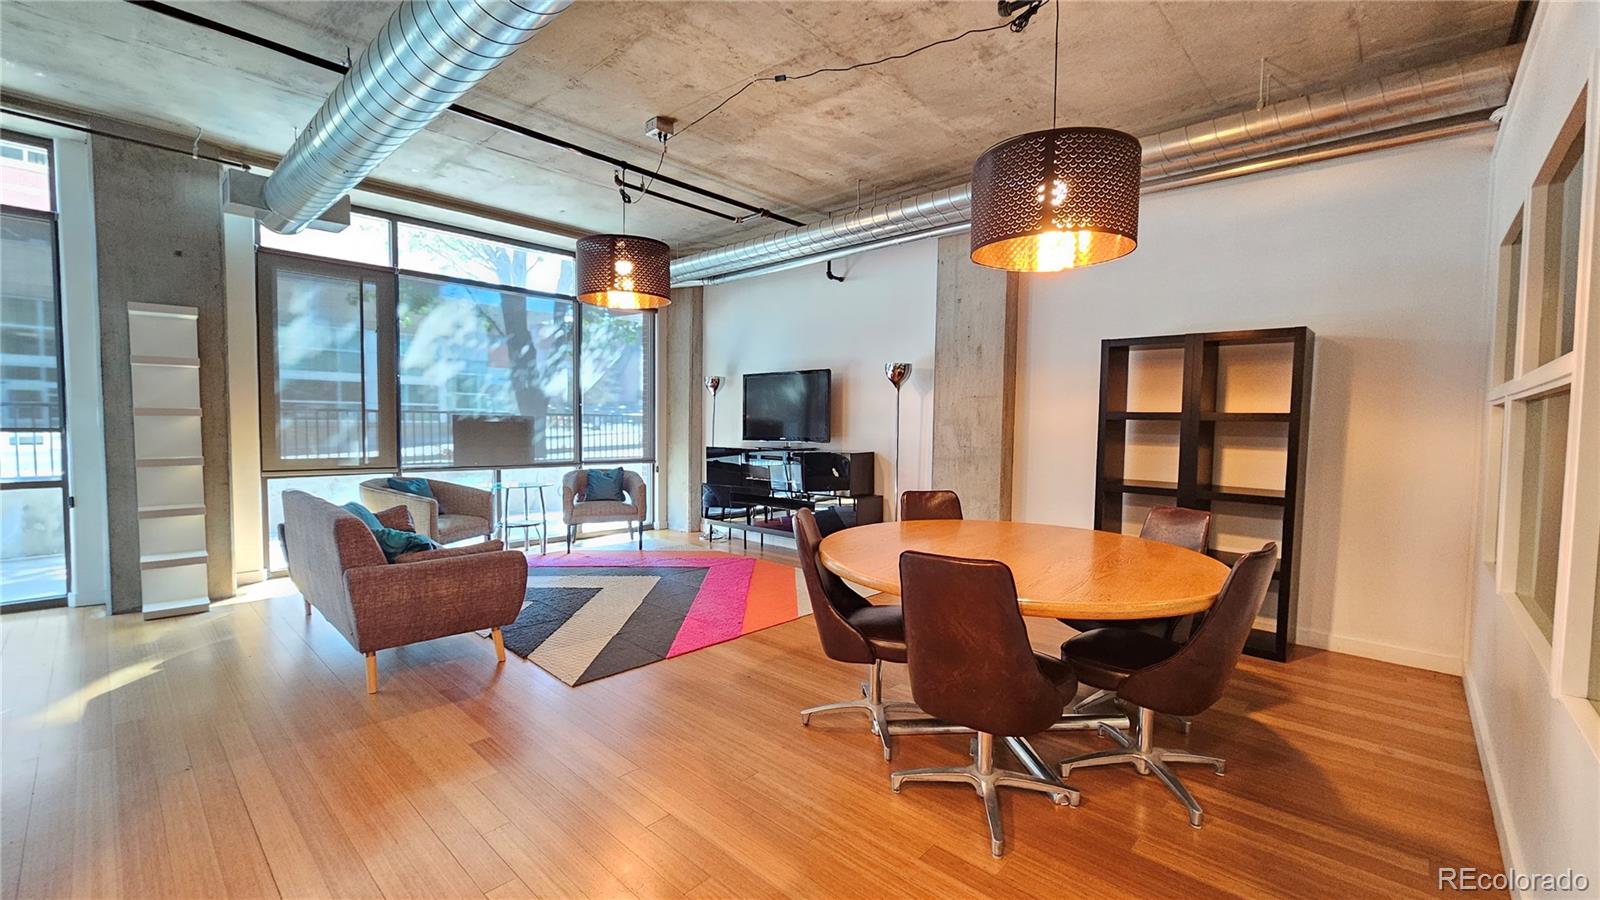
916, 505
852, 630
1155, 674
1186, 528
972, 666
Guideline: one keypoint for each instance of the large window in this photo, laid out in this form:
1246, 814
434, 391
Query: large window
1544, 418
618, 373
1544, 467
399, 344
323, 341
485, 375
33, 483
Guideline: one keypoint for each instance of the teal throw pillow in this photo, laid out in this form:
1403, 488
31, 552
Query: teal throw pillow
604, 484
417, 486
392, 541
364, 514
395, 542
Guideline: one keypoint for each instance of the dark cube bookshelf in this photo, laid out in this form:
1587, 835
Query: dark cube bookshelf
1203, 431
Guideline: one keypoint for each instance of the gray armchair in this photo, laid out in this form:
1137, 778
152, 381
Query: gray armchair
576, 511
454, 513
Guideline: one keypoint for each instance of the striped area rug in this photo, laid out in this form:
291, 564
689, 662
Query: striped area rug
590, 615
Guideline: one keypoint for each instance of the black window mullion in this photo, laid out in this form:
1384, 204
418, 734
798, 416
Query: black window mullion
577, 384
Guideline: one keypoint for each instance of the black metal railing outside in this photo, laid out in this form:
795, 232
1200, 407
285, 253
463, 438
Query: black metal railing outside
333, 432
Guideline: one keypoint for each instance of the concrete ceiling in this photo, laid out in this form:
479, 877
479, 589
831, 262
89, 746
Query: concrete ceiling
799, 147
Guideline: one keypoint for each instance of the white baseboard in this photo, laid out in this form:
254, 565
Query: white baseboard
1504, 828
1405, 656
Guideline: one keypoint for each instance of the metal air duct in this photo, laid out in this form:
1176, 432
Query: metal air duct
428, 54
1475, 84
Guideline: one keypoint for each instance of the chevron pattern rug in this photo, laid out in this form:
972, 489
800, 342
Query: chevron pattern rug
590, 615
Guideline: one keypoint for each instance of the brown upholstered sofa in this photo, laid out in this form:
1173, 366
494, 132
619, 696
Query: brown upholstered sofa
455, 512
336, 563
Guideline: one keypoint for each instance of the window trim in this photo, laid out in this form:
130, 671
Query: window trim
273, 467
1566, 654
64, 482
267, 362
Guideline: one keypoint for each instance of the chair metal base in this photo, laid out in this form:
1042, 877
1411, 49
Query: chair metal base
872, 703
1138, 750
572, 534
982, 775
1102, 696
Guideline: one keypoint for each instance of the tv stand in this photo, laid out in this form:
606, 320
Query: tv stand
758, 489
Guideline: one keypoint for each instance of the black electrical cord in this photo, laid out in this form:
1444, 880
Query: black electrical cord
184, 15
192, 153
1017, 23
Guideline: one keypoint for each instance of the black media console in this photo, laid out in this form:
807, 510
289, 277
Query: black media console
759, 488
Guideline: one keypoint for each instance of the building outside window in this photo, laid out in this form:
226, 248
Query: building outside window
399, 344
33, 478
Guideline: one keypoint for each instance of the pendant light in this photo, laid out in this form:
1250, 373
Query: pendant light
624, 271
1058, 199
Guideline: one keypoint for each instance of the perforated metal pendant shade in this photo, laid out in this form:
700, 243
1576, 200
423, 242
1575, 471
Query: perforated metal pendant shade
624, 271
1057, 199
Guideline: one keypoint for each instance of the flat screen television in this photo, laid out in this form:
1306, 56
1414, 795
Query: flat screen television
788, 406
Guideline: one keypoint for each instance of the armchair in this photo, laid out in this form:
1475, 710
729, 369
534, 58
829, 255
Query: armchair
576, 511
455, 512
339, 568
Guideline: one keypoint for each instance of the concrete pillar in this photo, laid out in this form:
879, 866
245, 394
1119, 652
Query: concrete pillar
680, 409
158, 236
974, 381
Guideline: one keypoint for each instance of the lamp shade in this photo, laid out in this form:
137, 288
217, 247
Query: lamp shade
1057, 199
624, 271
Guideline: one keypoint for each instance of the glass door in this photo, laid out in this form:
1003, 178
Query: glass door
35, 562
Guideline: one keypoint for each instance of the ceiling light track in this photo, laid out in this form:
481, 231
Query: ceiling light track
188, 17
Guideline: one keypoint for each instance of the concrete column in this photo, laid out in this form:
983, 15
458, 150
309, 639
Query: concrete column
680, 409
974, 381
158, 234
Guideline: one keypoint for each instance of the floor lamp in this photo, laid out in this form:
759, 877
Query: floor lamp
897, 373
713, 384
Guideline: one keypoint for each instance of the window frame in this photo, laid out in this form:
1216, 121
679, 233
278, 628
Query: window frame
268, 265
1566, 653
63, 482
272, 468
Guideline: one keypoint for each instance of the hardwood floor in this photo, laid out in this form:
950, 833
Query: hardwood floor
236, 753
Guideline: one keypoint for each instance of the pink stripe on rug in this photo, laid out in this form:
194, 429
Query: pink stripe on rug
628, 559
717, 613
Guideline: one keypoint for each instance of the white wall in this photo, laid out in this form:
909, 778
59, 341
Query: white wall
1382, 256
244, 397
1541, 751
883, 312
80, 298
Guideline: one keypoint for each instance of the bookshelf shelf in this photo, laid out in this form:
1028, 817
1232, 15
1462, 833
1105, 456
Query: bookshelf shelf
1225, 455
1142, 486
1136, 416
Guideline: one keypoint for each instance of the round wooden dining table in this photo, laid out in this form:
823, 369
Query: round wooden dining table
1061, 572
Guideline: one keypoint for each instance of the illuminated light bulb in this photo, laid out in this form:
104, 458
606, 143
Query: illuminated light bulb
1058, 193
624, 267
